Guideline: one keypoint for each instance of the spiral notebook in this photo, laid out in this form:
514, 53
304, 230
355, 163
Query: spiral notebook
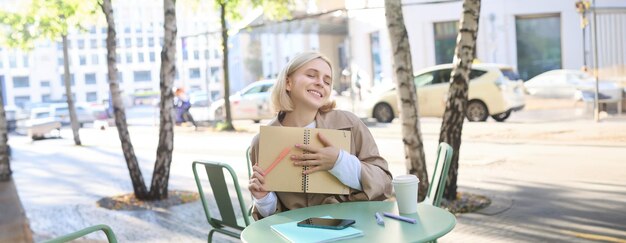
293, 233
277, 144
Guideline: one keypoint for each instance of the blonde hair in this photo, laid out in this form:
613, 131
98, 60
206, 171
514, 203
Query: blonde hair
281, 101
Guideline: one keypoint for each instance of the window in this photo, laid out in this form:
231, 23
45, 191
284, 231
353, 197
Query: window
12, 61
152, 57
94, 59
92, 96
63, 80
151, 41
25, 59
538, 44
129, 57
93, 43
44, 83
140, 57
1, 64
127, 42
92, 29
45, 98
21, 82
445, 41
142, 76
120, 77
103, 30
21, 100
127, 29
185, 55
81, 44
194, 73
196, 55
377, 67
207, 54
60, 46
90, 78
139, 42
60, 61
82, 60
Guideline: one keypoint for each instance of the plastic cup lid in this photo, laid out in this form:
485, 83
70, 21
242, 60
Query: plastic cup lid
401, 179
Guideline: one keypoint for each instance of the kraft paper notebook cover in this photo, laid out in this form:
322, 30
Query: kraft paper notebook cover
276, 145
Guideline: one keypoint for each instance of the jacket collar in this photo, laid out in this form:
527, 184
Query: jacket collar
330, 120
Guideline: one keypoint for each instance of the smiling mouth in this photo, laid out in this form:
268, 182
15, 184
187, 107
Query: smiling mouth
315, 93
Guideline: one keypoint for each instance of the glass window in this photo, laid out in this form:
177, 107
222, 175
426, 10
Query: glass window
127, 29
445, 41
63, 80
25, 59
94, 59
127, 42
21, 100
377, 67
82, 59
129, 57
196, 55
142, 76
474, 74
139, 42
538, 44
140, 57
21, 82
424, 79
45, 83
81, 44
443, 76
90, 78
12, 61
185, 55
1, 64
60, 61
152, 57
194, 73
93, 43
151, 41
45, 98
91, 96
207, 54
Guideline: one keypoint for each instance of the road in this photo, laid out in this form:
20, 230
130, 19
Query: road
545, 186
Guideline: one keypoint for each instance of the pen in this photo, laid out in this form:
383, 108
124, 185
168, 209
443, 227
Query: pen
379, 219
401, 218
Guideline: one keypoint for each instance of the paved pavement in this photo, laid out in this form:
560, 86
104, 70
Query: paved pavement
548, 193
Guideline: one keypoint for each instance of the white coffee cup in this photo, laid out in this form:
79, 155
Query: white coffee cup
406, 187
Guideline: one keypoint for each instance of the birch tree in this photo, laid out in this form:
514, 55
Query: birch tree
407, 95
452, 124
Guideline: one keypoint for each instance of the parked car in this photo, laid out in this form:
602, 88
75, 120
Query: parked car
13, 114
570, 84
494, 90
39, 124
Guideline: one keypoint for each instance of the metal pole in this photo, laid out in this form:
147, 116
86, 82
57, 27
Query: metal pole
596, 68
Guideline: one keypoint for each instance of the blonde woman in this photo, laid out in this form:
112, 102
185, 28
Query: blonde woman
301, 96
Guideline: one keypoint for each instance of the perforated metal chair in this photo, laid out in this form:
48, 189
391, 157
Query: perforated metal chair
229, 224
81, 233
440, 174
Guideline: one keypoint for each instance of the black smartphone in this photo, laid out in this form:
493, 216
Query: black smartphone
326, 223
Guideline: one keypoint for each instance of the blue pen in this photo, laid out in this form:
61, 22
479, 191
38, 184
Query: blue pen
401, 218
379, 219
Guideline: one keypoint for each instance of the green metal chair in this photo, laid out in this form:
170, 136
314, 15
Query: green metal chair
229, 224
78, 234
440, 174
249, 164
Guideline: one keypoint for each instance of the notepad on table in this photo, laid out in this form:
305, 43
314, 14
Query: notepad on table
294, 233
276, 145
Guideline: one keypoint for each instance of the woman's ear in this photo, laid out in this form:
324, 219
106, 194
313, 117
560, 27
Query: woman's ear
288, 84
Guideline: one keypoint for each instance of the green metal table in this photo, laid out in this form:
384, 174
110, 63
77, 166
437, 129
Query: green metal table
432, 222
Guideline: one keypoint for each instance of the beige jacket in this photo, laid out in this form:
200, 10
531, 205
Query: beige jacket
375, 175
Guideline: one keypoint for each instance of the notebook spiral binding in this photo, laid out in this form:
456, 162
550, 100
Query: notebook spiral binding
305, 178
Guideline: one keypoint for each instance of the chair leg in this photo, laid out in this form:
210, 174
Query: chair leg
210, 236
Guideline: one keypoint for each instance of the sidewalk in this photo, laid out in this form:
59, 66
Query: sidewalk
14, 225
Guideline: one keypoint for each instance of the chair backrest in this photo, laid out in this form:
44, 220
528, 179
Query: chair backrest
72, 236
215, 172
440, 174
248, 162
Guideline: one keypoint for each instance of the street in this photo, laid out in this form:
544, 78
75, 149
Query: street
545, 183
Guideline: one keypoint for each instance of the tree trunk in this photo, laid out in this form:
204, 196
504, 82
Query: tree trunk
452, 124
139, 186
407, 95
161, 174
5, 165
228, 126
68, 92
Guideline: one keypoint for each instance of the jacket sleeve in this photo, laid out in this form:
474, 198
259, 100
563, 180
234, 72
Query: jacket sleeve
253, 155
375, 174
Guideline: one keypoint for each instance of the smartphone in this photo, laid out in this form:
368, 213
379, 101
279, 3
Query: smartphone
326, 223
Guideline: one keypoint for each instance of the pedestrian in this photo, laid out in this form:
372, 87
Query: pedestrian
182, 106
302, 98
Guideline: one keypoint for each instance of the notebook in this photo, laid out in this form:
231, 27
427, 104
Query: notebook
276, 145
293, 233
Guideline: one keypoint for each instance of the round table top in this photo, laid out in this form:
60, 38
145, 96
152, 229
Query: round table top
432, 222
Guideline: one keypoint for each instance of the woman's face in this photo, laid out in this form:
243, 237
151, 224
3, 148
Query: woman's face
310, 85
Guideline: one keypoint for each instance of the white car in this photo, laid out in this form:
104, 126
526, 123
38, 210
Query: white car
61, 113
494, 90
251, 103
570, 84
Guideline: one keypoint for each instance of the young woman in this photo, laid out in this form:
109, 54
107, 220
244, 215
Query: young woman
301, 96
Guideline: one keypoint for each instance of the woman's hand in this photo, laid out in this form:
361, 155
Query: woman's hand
257, 180
318, 159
